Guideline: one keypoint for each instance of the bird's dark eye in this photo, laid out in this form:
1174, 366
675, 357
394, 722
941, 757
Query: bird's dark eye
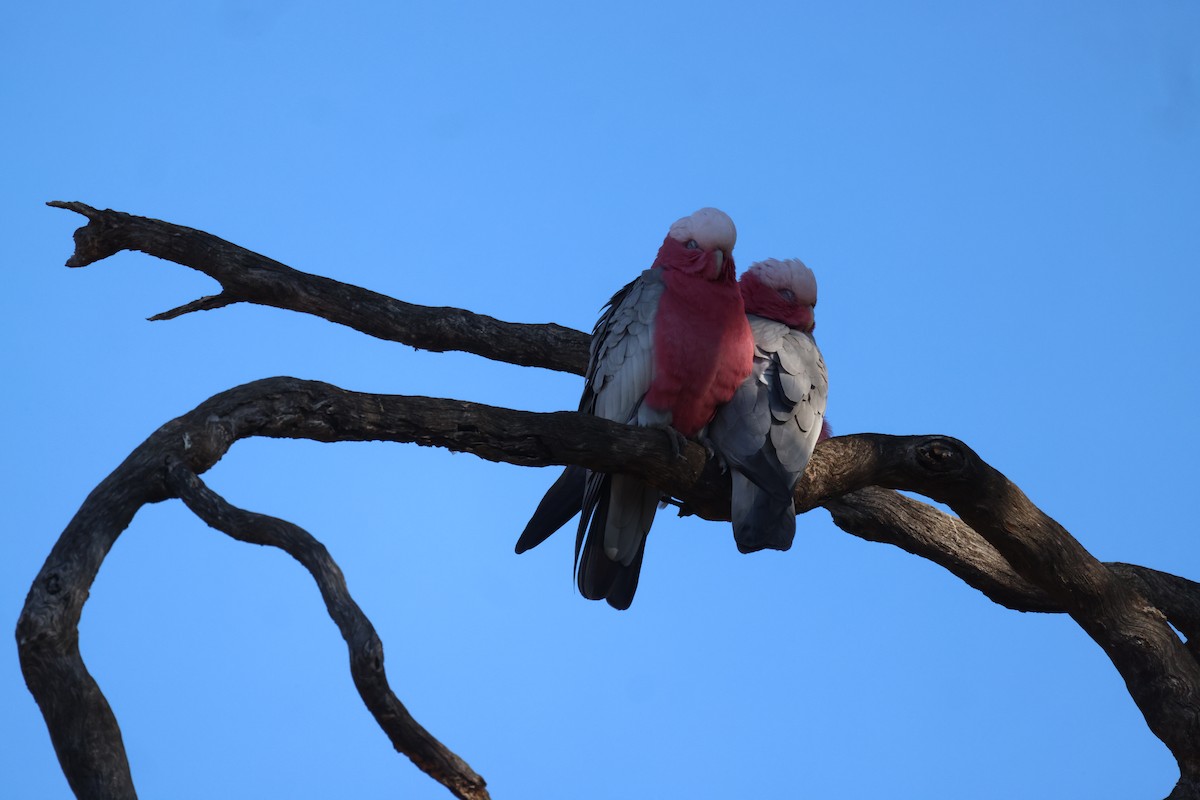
691, 245
788, 295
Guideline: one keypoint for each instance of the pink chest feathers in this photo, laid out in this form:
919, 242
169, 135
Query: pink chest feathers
703, 349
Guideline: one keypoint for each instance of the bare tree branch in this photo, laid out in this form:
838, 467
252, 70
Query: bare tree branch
208, 303
286, 407
366, 650
1176, 597
882, 515
1003, 545
1161, 675
247, 277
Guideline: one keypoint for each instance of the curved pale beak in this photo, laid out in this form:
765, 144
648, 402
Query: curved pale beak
718, 264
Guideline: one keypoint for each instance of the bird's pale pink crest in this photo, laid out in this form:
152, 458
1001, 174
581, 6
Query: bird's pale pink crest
711, 228
700, 244
782, 290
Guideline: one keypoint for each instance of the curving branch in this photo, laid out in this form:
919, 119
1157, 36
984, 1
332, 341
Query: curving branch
1160, 673
1003, 545
366, 651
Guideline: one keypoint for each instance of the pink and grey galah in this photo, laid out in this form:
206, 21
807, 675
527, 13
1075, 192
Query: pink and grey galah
670, 347
768, 431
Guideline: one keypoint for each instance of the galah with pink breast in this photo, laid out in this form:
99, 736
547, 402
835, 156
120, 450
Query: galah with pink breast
670, 347
768, 431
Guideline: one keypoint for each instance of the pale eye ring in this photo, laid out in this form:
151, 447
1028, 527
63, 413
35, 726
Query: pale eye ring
788, 295
692, 245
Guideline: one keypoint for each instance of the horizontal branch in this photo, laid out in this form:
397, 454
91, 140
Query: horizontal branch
247, 277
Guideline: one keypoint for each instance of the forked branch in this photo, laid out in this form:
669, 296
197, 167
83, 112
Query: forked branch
247, 277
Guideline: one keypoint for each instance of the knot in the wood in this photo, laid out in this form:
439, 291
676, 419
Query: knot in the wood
940, 455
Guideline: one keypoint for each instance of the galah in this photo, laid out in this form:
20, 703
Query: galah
767, 432
669, 348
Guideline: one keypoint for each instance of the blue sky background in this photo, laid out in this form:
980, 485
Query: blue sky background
1000, 202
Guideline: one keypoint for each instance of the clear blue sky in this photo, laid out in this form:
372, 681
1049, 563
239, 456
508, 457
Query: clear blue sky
1001, 204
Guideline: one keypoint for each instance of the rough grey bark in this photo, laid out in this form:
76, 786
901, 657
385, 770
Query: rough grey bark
1003, 545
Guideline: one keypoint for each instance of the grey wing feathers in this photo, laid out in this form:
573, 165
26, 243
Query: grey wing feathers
620, 363
617, 509
767, 433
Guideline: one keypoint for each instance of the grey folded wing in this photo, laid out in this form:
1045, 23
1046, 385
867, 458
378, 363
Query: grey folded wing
768, 431
619, 373
618, 509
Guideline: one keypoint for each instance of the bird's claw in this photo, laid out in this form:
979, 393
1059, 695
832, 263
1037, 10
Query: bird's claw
712, 452
677, 440
684, 510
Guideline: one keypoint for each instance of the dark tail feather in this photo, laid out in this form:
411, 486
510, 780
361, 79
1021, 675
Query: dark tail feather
595, 571
625, 583
599, 577
762, 520
562, 501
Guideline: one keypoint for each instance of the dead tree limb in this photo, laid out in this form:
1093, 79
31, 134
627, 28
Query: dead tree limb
1004, 545
247, 277
366, 650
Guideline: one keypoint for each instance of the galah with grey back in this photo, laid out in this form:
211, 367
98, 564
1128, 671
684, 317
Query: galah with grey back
669, 348
768, 431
